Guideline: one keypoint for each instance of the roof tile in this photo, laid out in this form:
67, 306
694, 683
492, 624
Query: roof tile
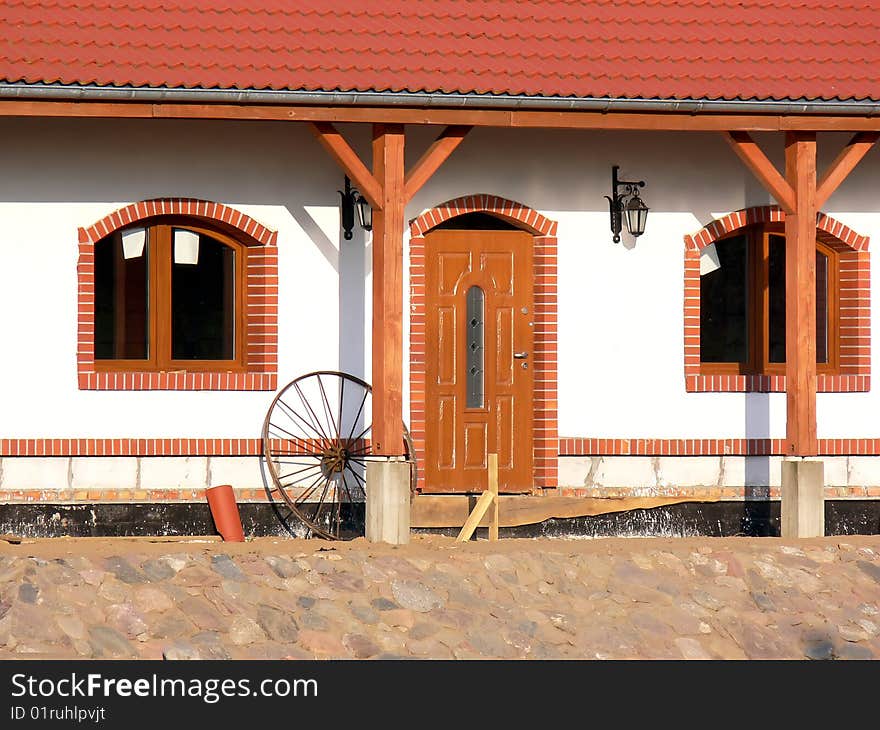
670, 49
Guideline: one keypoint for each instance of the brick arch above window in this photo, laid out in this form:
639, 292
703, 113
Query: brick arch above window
852, 249
518, 214
260, 300
206, 210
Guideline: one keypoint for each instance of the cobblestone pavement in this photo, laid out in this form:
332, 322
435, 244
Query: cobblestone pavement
654, 598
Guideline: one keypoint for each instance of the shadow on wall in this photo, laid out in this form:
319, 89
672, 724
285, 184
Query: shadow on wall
757, 468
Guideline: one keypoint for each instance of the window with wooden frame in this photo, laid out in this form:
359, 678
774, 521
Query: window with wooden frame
169, 296
742, 304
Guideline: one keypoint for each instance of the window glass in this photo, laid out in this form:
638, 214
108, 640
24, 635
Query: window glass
776, 323
121, 299
475, 378
724, 295
202, 298
776, 299
821, 307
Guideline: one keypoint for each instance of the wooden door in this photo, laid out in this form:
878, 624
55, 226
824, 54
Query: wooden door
479, 359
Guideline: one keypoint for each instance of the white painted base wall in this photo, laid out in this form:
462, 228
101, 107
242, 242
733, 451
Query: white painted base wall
642, 474
128, 472
647, 473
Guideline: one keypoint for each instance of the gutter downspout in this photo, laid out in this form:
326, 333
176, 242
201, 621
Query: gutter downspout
59, 92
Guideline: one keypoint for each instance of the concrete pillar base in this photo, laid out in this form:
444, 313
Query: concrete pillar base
803, 498
388, 502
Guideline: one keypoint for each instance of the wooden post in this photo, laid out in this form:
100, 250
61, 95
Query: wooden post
493, 488
800, 295
388, 223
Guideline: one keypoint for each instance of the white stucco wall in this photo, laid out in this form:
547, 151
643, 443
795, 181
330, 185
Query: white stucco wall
620, 306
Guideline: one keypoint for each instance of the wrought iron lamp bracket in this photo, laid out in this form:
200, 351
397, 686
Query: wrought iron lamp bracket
617, 200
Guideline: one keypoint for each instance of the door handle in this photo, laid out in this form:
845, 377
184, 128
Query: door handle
520, 355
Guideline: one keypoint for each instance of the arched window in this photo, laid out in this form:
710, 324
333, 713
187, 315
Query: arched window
742, 303
169, 295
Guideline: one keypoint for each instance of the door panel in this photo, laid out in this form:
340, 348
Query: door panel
461, 431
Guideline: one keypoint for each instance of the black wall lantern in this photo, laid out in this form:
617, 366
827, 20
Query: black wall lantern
352, 200
626, 205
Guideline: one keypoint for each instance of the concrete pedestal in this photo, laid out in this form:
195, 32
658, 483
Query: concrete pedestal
388, 502
803, 498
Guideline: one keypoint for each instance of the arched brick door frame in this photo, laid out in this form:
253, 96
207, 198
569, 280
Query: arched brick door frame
543, 230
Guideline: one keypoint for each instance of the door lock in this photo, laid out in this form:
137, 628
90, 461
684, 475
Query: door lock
520, 355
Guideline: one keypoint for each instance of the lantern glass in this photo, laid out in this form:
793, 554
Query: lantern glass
365, 213
636, 215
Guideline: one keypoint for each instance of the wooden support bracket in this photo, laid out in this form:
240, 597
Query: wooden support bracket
843, 165
755, 159
349, 161
434, 156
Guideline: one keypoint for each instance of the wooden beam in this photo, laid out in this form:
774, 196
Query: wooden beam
348, 160
434, 156
431, 115
800, 296
843, 165
388, 225
451, 510
755, 159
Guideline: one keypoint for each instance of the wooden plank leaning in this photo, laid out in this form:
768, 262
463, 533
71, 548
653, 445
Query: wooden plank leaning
487, 499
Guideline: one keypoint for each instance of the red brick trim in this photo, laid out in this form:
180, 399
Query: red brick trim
131, 447
516, 213
261, 302
748, 493
579, 446
545, 445
854, 296
566, 446
204, 209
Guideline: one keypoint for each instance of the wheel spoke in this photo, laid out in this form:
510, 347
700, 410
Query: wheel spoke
358, 414
299, 471
325, 403
310, 409
292, 414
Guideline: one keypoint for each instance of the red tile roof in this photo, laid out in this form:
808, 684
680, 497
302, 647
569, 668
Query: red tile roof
643, 49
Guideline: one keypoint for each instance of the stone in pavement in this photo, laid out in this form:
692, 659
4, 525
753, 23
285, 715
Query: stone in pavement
244, 630
172, 626
871, 569
28, 593
181, 650
321, 642
124, 571
203, 614
107, 642
225, 566
364, 614
278, 625
158, 570
149, 598
126, 619
283, 567
197, 576
209, 645
691, 648
72, 626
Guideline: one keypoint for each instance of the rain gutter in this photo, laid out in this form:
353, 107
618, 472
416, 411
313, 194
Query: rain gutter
61, 92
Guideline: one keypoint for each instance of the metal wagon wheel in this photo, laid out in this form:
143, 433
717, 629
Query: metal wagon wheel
316, 444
